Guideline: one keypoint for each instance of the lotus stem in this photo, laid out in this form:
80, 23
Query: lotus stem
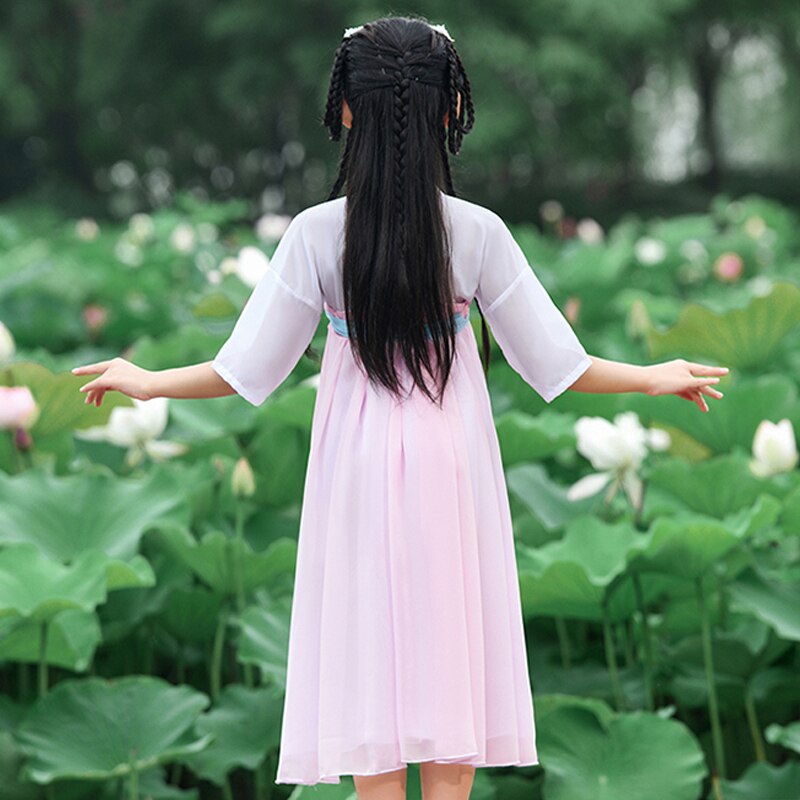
42, 671
216, 654
563, 642
238, 567
752, 723
611, 659
713, 708
648, 644
133, 783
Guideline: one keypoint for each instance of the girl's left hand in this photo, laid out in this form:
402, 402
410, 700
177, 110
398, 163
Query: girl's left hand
115, 374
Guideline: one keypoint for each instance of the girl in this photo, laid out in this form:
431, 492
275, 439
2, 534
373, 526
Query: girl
406, 640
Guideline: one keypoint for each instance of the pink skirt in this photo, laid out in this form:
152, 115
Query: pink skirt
406, 641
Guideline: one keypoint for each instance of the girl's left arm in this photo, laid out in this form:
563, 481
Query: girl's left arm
686, 379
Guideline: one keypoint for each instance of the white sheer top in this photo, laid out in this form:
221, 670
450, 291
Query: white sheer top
283, 312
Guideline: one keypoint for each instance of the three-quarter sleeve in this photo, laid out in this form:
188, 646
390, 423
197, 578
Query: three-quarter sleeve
535, 337
278, 320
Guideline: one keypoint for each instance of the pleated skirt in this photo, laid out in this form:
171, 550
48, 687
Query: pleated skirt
406, 637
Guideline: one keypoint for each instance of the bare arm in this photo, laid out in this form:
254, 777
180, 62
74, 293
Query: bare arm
679, 376
198, 381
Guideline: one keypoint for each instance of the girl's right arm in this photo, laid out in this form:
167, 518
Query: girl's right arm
193, 382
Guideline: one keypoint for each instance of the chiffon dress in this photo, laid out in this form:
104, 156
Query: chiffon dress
406, 639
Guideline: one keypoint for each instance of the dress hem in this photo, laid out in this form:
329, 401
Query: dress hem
336, 777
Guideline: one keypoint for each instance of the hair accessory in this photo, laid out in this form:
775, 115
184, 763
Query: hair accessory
348, 32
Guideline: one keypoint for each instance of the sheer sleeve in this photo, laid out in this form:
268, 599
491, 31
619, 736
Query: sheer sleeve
277, 323
535, 337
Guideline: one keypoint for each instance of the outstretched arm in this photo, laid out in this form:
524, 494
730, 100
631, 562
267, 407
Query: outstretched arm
196, 381
683, 378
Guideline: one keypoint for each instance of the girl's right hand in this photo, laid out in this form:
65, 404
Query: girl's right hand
684, 379
115, 374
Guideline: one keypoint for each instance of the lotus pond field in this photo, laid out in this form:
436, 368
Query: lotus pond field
147, 549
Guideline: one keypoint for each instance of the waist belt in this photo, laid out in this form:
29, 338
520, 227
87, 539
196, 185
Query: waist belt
339, 323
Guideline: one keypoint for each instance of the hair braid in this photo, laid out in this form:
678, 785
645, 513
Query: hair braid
400, 131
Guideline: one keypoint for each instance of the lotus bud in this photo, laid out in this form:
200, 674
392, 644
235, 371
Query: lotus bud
18, 409
7, 346
728, 267
774, 448
243, 482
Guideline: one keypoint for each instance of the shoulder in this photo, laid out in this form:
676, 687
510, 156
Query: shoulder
476, 216
320, 217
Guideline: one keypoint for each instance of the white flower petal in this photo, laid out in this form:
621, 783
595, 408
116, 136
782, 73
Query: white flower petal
588, 485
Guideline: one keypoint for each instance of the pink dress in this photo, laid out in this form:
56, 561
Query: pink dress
406, 641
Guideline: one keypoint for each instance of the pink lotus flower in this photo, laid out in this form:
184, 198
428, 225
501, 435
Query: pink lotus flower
18, 409
729, 267
94, 315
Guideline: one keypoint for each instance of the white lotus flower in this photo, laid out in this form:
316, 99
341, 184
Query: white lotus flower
270, 227
590, 231
616, 450
182, 238
650, 251
141, 228
251, 264
86, 228
137, 428
551, 210
311, 380
7, 345
228, 265
774, 448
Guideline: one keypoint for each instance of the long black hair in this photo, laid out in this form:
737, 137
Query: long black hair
399, 76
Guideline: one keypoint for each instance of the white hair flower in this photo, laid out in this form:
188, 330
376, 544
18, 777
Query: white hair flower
441, 29
348, 32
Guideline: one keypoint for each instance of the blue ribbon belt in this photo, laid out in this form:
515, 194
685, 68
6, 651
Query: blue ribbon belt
340, 325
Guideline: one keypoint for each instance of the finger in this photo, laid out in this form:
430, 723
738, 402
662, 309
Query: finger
701, 401
88, 387
700, 382
708, 369
91, 369
100, 395
711, 392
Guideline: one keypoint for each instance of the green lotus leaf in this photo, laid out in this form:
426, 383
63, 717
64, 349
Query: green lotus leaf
293, 406
686, 545
571, 576
774, 603
744, 338
10, 761
763, 781
546, 500
129, 574
635, 755
547, 703
97, 729
787, 736
778, 685
719, 486
190, 614
36, 588
524, 437
214, 556
264, 638
73, 636
246, 724
65, 516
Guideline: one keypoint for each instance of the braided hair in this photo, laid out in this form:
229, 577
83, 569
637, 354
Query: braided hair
401, 77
